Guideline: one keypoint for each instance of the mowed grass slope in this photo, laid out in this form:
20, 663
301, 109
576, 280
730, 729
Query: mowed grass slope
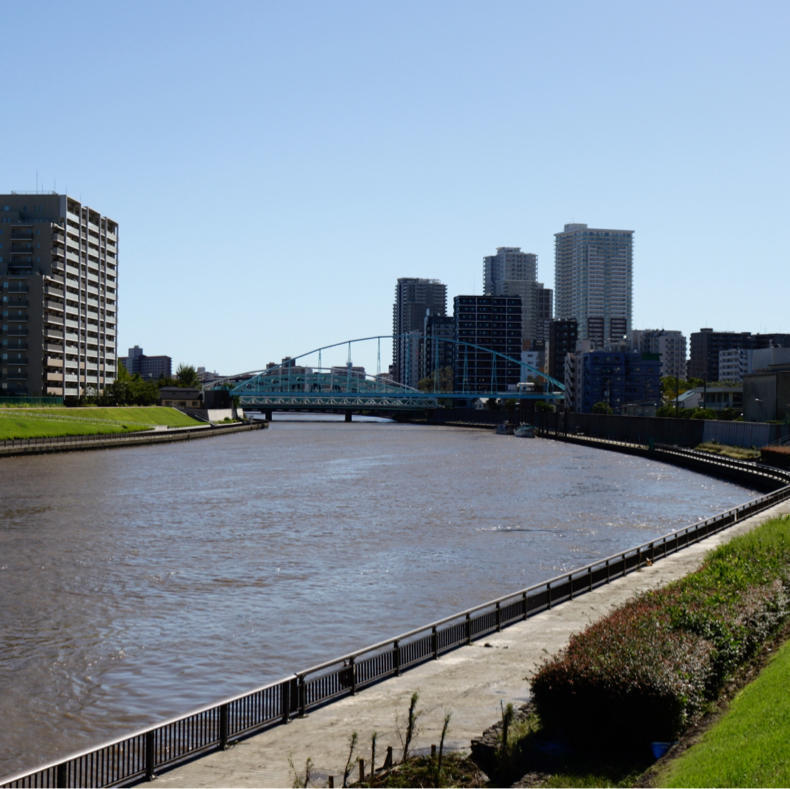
750, 744
61, 421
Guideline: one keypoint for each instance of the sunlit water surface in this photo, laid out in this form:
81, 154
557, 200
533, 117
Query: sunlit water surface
140, 583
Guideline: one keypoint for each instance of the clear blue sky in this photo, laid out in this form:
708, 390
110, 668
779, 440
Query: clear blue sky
275, 167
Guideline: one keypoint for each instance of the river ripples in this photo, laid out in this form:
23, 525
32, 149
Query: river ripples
137, 584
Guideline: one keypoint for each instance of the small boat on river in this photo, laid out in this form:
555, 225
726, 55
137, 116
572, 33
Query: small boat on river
524, 431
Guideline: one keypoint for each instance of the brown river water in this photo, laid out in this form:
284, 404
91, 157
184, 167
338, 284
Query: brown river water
141, 583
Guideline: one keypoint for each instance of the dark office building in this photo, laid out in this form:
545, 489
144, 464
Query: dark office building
414, 299
562, 339
492, 323
619, 379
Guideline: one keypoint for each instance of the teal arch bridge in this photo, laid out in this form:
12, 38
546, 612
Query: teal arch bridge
305, 383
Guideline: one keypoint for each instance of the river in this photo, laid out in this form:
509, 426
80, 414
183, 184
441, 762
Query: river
140, 583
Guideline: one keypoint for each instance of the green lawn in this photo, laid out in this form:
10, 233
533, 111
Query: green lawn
749, 746
61, 421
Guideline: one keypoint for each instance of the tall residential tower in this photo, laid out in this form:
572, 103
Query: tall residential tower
414, 299
593, 281
59, 280
512, 272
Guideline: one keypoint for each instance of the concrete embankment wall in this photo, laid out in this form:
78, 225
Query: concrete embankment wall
37, 446
638, 429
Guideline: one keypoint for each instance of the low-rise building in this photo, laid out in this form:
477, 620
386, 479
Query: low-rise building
766, 394
149, 368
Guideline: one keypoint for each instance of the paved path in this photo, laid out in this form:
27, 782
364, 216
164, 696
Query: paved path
471, 683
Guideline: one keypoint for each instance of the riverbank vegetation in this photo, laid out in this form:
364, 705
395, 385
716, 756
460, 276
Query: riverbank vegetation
747, 746
654, 667
61, 421
726, 450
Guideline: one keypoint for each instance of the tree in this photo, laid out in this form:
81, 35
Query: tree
602, 407
186, 375
439, 381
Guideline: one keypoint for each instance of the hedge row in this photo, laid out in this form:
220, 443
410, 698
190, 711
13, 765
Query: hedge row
650, 668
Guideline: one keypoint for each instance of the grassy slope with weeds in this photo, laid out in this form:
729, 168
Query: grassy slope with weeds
61, 421
737, 453
748, 745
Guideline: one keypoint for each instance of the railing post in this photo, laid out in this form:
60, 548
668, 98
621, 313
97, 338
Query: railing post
589, 577
352, 668
286, 700
62, 774
435, 642
223, 727
498, 617
468, 627
607, 571
302, 696
150, 756
526, 604
396, 658
570, 586
548, 595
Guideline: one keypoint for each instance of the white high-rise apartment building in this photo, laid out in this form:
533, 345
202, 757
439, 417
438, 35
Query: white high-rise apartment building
593, 281
512, 272
59, 291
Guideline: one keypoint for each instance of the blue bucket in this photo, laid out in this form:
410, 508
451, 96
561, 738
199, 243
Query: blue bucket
660, 748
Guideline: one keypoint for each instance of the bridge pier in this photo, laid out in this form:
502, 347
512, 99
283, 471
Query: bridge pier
348, 416
268, 414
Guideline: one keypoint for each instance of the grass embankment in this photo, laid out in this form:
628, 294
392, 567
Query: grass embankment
726, 450
748, 745
61, 421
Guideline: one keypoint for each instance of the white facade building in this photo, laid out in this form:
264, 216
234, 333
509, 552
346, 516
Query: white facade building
593, 270
670, 345
734, 363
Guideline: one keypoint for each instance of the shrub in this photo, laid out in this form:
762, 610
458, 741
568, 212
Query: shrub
629, 677
647, 670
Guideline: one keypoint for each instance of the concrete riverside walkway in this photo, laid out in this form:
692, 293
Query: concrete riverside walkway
470, 683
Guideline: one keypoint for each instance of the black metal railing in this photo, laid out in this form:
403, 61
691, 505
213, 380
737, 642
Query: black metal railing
140, 756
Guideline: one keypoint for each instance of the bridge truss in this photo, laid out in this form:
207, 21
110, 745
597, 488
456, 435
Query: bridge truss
304, 383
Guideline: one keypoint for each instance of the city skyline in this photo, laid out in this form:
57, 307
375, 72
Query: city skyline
298, 161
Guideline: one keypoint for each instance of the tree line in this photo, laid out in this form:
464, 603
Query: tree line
132, 389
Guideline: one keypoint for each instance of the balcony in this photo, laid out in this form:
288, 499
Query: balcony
52, 361
52, 378
20, 233
54, 306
